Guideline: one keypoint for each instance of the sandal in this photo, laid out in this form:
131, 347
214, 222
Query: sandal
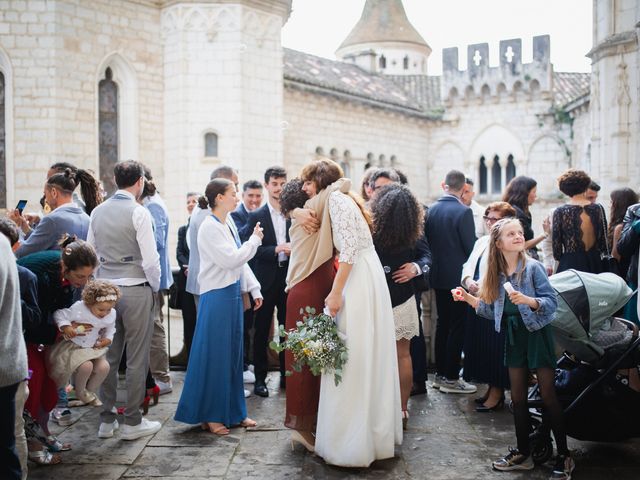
55, 445
44, 457
216, 428
248, 423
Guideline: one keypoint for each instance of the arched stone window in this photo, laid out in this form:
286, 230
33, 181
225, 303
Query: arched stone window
393, 161
210, 144
319, 151
382, 62
511, 169
482, 176
370, 160
496, 176
3, 146
333, 154
346, 163
405, 62
108, 129
381, 160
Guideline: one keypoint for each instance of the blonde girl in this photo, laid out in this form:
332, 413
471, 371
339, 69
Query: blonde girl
87, 329
515, 293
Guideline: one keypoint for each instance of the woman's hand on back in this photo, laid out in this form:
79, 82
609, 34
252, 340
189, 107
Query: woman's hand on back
308, 219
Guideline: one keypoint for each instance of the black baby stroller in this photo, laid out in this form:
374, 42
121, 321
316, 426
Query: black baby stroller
597, 405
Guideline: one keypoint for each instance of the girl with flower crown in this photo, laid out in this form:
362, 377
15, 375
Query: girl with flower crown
87, 329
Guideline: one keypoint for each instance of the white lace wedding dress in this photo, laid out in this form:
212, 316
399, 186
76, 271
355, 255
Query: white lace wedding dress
360, 420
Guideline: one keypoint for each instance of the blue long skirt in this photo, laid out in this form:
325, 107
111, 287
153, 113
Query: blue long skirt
213, 388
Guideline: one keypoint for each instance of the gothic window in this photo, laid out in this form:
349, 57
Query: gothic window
496, 176
405, 62
108, 129
333, 154
319, 151
210, 144
511, 169
382, 62
3, 146
482, 176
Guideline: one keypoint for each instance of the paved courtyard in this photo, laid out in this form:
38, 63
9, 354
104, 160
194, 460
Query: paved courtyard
446, 439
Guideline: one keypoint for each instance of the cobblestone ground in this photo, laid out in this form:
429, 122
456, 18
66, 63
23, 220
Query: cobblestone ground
446, 439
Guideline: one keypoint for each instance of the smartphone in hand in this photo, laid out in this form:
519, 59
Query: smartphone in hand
21, 205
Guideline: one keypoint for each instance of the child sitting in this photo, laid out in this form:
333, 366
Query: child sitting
87, 329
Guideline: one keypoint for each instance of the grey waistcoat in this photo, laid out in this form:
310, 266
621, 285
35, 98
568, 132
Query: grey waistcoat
115, 236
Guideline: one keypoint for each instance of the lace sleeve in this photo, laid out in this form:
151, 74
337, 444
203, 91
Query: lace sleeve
344, 223
556, 233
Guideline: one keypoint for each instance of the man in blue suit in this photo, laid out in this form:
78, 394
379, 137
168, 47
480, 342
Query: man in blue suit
451, 233
251, 200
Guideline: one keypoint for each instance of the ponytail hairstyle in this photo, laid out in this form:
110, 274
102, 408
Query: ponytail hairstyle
217, 186
496, 263
68, 177
77, 253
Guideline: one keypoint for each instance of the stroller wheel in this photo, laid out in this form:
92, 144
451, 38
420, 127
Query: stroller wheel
541, 447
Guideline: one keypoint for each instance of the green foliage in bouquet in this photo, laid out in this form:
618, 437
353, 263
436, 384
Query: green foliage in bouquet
316, 343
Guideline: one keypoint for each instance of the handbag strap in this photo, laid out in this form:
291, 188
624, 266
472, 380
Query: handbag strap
604, 229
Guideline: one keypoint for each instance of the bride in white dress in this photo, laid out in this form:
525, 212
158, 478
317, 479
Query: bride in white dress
360, 420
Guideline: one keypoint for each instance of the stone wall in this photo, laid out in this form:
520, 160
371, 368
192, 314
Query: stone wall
366, 135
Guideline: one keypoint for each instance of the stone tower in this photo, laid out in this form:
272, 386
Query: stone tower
222, 88
384, 41
614, 106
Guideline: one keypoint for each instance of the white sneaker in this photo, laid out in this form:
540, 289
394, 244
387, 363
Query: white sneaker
106, 429
438, 380
251, 368
248, 377
165, 387
144, 428
457, 386
247, 393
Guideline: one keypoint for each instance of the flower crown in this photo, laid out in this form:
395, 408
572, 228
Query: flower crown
107, 298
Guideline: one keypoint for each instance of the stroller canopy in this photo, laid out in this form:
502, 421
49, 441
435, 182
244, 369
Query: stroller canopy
585, 302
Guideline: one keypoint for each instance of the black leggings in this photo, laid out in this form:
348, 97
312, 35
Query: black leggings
552, 412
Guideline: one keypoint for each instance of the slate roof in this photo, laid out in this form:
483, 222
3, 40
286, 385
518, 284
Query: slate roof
569, 87
417, 95
344, 79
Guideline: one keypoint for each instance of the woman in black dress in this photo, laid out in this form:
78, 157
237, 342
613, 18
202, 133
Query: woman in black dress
520, 193
579, 227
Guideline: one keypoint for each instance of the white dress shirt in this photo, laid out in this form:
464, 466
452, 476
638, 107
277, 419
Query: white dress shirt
146, 241
222, 263
79, 312
280, 227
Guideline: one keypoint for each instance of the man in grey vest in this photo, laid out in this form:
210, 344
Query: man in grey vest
122, 234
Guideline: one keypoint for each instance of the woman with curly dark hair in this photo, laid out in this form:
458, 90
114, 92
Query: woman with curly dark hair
398, 223
621, 199
520, 193
579, 227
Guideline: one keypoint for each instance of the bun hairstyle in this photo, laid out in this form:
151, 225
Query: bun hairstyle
67, 178
77, 253
217, 186
150, 188
97, 291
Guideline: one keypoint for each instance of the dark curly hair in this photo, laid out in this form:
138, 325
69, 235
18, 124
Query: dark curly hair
517, 192
574, 182
621, 199
398, 218
292, 196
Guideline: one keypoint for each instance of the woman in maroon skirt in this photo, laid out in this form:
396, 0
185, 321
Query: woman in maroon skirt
309, 281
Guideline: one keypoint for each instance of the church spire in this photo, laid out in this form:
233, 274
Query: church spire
384, 29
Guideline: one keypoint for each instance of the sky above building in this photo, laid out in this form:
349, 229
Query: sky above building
319, 27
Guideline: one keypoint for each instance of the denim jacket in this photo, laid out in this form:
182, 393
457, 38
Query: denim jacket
534, 283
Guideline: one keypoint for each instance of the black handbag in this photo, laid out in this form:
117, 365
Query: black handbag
609, 262
175, 297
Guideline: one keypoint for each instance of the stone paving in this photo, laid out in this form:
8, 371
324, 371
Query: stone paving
446, 439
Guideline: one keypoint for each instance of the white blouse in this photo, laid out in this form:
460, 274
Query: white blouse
78, 312
222, 263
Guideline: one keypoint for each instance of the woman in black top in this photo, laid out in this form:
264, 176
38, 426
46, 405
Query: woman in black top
579, 227
398, 223
520, 193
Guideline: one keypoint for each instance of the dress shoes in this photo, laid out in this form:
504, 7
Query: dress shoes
283, 382
484, 409
260, 389
179, 360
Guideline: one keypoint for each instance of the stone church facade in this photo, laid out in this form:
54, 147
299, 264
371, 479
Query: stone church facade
184, 86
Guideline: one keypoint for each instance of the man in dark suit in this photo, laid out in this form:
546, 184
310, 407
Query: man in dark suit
185, 299
451, 234
251, 200
270, 267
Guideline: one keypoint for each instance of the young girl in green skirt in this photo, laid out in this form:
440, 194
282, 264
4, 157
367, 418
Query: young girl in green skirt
516, 294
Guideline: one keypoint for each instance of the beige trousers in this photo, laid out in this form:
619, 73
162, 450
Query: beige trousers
21, 440
159, 359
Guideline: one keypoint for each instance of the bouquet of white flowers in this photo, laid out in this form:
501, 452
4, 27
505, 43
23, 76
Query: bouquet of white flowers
316, 343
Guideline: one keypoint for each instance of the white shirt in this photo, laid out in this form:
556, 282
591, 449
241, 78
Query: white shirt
79, 312
222, 263
280, 227
146, 241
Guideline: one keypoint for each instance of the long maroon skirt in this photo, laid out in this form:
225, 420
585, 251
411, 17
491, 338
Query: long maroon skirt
303, 389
